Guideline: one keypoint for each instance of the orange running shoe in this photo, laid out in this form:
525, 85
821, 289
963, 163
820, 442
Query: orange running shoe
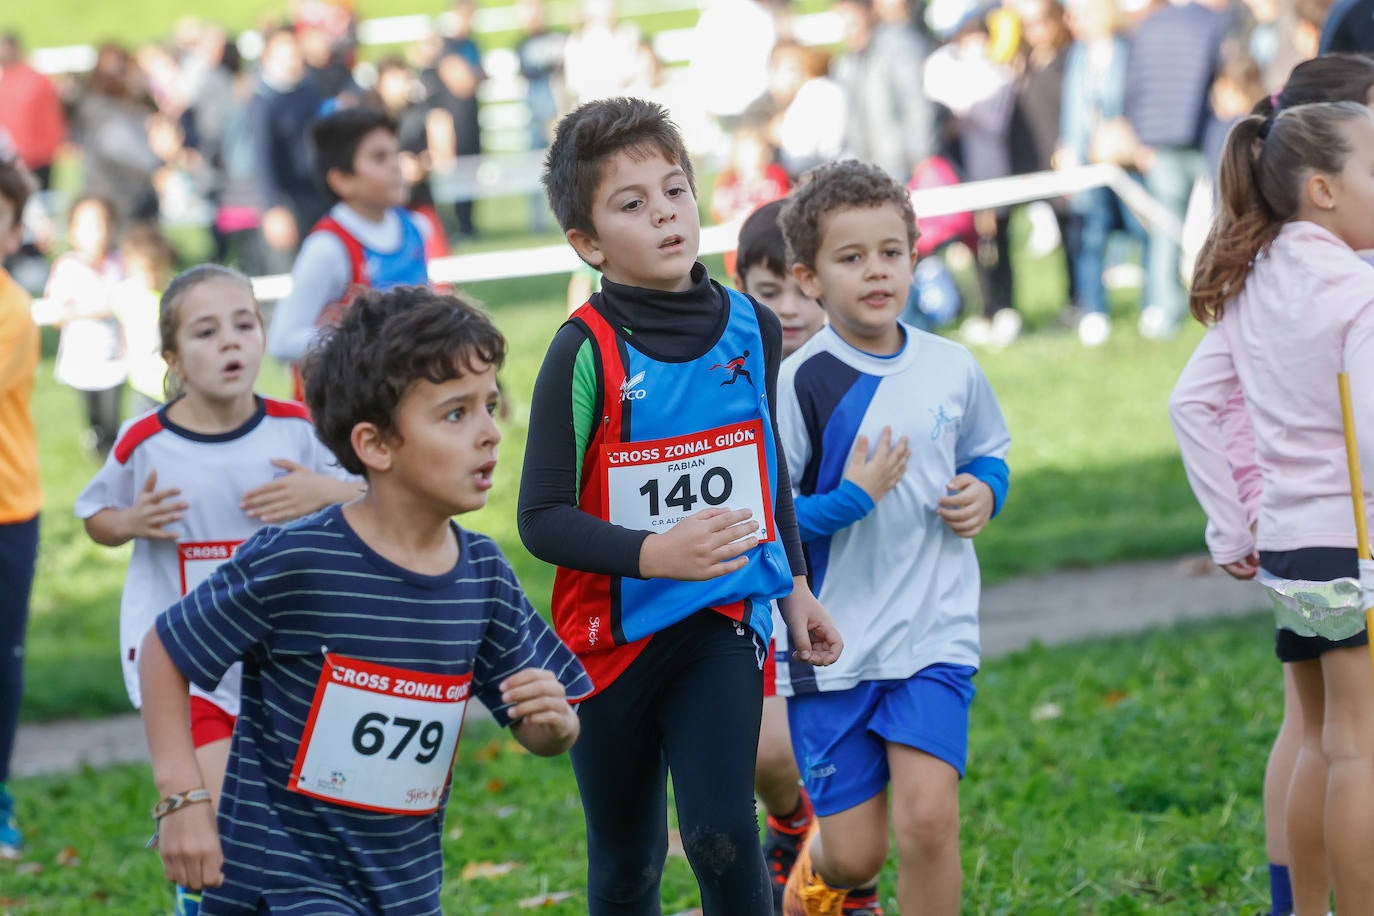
806, 893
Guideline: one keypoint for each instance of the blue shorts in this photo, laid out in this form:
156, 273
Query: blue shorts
841, 738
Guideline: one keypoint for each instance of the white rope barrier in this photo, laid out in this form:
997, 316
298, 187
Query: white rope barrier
544, 260
973, 195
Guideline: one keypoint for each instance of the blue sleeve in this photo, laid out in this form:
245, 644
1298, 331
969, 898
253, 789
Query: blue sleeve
222, 619
518, 638
993, 472
824, 514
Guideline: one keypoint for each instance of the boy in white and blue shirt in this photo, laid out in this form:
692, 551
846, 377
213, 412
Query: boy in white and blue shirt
890, 718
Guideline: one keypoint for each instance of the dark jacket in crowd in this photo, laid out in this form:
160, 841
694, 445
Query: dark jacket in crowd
279, 124
1174, 55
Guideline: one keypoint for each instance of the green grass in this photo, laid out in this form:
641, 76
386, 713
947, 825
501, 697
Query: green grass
1114, 777
71, 22
1095, 472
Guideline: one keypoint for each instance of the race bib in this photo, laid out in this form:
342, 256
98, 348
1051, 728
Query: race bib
380, 738
653, 485
200, 558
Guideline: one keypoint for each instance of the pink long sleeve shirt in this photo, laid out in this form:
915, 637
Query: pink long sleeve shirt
1305, 313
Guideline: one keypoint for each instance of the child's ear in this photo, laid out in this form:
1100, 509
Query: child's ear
1320, 192
337, 182
806, 279
587, 248
370, 446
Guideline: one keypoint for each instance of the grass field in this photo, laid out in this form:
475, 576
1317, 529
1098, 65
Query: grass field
1110, 778
1095, 477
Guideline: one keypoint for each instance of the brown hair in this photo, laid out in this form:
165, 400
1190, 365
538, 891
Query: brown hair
844, 185
385, 343
1263, 169
145, 240
169, 309
1329, 78
587, 138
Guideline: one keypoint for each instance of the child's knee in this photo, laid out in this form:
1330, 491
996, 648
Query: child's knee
928, 830
853, 861
715, 851
627, 883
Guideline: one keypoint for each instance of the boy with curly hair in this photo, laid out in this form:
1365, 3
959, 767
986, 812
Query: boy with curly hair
882, 736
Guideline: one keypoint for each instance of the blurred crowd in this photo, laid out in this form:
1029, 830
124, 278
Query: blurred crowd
208, 129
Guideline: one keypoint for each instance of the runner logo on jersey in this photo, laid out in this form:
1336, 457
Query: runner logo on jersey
736, 369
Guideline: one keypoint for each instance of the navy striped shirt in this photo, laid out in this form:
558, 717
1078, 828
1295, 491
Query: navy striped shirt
286, 596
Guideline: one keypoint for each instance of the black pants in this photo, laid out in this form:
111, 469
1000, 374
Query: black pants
104, 409
690, 705
18, 553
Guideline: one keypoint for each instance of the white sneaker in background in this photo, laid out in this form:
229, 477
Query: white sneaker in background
1044, 235
1094, 328
976, 331
1006, 327
1154, 324
1123, 276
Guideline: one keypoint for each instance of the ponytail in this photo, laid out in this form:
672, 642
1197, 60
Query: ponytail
1244, 225
1266, 162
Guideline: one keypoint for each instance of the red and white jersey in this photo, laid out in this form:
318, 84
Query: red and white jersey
213, 472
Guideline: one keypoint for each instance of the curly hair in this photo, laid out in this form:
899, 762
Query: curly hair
1263, 168
589, 136
845, 185
386, 342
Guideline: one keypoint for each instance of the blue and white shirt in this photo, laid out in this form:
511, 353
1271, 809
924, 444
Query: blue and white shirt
287, 596
901, 586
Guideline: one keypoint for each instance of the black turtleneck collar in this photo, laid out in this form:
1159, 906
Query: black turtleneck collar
669, 327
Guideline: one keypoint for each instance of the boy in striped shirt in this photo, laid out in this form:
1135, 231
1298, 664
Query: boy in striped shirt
363, 630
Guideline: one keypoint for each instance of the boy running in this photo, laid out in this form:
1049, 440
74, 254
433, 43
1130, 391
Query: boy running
663, 499
761, 272
363, 630
882, 737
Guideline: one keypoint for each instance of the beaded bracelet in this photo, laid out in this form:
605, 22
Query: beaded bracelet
178, 801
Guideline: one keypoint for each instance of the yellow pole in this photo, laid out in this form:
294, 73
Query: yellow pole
1352, 460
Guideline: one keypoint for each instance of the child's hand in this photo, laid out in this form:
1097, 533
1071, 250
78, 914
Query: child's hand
708, 544
1244, 569
152, 510
188, 841
298, 492
879, 474
814, 634
966, 510
540, 715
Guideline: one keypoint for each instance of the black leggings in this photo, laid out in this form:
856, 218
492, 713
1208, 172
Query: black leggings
103, 411
690, 705
18, 552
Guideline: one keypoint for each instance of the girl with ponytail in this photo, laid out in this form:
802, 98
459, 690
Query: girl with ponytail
1289, 303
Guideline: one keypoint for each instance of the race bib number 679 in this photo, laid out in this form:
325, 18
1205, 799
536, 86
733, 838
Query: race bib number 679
654, 484
380, 738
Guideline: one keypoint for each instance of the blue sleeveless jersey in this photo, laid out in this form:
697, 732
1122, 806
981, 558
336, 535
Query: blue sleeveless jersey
674, 439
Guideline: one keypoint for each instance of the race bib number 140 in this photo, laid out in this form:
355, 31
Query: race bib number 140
654, 484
